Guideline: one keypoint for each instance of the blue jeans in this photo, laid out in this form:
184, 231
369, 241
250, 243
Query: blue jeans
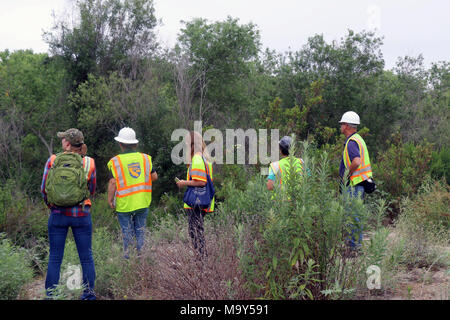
356, 192
133, 224
58, 226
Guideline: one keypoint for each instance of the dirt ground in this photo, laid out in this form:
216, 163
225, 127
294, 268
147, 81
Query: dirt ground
416, 284
33, 290
419, 284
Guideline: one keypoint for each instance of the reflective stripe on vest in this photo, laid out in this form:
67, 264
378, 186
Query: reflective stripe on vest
123, 188
277, 171
364, 171
199, 173
277, 167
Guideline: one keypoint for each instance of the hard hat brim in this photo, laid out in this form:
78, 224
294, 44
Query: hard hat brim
119, 139
356, 124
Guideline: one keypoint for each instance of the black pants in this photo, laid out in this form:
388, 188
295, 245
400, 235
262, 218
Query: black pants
196, 231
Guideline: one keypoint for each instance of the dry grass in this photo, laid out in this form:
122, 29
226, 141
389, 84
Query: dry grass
171, 269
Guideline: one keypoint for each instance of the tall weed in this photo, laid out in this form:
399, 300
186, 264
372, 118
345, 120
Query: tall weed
424, 224
15, 269
298, 233
114, 274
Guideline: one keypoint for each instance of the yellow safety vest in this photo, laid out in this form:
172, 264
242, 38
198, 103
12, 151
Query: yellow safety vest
195, 172
280, 168
132, 172
364, 171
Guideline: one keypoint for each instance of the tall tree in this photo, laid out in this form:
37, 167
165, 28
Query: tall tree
32, 110
220, 56
108, 35
352, 77
425, 100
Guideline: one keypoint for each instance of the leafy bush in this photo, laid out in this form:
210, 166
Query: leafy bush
401, 169
15, 269
114, 274
24, 220
440, 164
102, 215
169, 206
294, 241
424, 224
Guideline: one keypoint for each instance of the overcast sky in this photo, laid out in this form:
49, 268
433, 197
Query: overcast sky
410, 27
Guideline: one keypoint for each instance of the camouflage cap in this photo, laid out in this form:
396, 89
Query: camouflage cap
74, 136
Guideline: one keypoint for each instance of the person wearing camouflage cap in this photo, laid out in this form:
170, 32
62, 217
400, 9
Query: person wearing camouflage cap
73, 136
75, 213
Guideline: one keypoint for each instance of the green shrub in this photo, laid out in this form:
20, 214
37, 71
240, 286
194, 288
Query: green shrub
424, 225
23, 219
169, 206
102, 215
430, 206
401, 169
294, 243
15, 269
114, 274
440, 164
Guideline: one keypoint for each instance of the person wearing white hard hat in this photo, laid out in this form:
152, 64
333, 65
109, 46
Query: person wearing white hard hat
130, 188
356, 161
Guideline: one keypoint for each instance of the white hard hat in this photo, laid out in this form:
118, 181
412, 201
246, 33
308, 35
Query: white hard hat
350, 117
126, 135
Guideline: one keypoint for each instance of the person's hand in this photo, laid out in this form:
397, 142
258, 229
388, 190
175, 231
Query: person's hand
111, 205
181, 183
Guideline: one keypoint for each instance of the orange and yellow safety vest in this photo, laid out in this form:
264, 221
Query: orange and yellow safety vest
364, 170
132, 172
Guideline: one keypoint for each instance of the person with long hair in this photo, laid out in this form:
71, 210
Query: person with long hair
198, 159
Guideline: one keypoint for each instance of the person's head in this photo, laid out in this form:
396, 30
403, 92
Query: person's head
196, 144
349, 123
285, 144
127, 139
72, 140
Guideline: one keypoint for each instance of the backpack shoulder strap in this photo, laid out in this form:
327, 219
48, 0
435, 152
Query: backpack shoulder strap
206, 166
52, 159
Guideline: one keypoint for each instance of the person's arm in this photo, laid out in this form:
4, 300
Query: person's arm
93, 180
355, 157
190, 183
44, 179
270, 180
111, 192
354, 165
